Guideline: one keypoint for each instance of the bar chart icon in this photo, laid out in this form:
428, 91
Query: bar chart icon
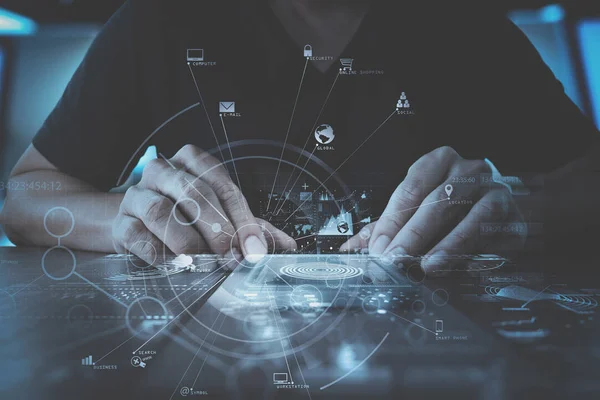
87, 361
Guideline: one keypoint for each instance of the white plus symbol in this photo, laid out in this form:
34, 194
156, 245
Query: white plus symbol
305, 186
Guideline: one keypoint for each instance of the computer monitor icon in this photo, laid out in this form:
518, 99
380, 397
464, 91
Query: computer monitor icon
280, 377
195, 54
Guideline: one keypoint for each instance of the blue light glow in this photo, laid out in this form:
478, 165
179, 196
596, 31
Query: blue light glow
15, 24
552, 13
149, 155
1, 75
549, 14
588, 32
4, 242
546, 30
346, 358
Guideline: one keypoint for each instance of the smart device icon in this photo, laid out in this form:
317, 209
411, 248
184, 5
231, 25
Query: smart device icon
439, 325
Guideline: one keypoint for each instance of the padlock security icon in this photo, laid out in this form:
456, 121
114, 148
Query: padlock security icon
308, 50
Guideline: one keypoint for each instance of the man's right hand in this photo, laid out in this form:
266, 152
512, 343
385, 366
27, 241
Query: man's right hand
205, 196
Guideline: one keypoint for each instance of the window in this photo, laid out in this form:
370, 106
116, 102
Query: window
2, 62
588, 31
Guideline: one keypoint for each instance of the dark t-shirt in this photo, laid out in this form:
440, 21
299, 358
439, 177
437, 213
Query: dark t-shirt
470, 78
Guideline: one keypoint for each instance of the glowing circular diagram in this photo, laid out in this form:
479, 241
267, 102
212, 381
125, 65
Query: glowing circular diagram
317, 271
63, 234
58, 269
146, 316
306, 299
142, 246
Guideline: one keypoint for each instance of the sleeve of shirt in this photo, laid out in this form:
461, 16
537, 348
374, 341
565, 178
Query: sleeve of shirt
517, 110
91, 133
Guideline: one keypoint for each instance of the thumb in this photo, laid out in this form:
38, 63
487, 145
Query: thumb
359, 241
277, 239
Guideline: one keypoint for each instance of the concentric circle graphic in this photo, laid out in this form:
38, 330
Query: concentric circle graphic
146, 316
263, 151
371, 304
306, 298
440, 297
61, 261
324, 330
61, 235
142, 244
198, 212
80, 315
416, 274
418, 307
317, 271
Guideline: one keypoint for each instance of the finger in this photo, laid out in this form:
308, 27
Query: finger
360, 240
434, 217
156, 211
247, 229
437, 214
427, 172
197, 203
465, 238
132, 236
211, 170
276, 238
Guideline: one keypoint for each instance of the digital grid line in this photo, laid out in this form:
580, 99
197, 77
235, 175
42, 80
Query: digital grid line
310, 133
100, 289
291, 347
195, 355
280, 338
357, 365
344, 162
206, 112
180, 314
287, 134
296, 181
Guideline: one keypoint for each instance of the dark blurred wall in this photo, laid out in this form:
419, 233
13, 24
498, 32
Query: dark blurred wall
41, 67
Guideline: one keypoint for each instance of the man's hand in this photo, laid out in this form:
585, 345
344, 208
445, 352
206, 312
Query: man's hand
420, 219
191, 205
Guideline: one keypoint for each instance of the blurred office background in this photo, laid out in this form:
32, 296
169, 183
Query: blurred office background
43, 41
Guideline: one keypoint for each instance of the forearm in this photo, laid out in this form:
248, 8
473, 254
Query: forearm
26, 208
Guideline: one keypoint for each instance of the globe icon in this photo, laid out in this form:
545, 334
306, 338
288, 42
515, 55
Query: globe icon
324, 134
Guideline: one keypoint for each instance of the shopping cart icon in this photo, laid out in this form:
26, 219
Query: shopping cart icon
346, 63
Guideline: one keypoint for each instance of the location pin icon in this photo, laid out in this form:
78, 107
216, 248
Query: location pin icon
449, 190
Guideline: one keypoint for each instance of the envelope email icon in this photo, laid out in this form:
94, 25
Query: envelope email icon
226, 106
